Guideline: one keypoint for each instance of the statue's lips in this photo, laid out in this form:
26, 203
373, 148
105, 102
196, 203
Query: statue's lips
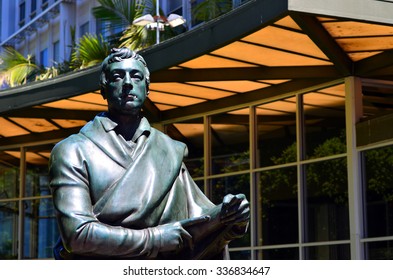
130, 97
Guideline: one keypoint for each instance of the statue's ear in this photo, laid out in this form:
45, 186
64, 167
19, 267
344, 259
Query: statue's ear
103, 84
103, 91
147, 89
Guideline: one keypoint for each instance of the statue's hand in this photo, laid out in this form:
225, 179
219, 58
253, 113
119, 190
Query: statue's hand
235, 210
174, 237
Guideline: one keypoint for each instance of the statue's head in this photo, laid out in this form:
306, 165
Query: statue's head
117, 55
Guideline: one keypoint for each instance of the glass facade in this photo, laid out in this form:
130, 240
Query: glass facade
288, 155
28, 226
378, 202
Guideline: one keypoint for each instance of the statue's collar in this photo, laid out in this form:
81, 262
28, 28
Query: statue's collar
108, 125
101, 132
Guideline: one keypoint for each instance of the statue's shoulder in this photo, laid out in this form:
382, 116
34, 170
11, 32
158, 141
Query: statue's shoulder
69, 145
72, 143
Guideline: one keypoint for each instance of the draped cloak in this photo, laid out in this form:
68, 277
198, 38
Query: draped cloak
110, 197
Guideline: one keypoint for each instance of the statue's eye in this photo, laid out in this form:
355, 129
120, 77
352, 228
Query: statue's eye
138, 77
116, 76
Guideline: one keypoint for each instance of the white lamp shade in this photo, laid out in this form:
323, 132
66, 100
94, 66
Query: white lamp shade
175, 20
143, 20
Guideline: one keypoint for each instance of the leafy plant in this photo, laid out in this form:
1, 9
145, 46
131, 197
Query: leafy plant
90, 50
210, 9
120, 14
15, 68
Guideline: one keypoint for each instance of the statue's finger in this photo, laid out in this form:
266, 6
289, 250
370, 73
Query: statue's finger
244, 214
194, 221
187, 238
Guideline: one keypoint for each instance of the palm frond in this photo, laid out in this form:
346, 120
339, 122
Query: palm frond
136, 38
21, 74
118, 11
11, 57
15, 68
90, 50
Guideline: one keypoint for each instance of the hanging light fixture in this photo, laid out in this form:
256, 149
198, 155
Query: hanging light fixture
144, 20
159, 22
175, 20
150, 22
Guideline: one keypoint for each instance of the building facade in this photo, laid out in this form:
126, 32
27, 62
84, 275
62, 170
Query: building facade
44, 28
287, 101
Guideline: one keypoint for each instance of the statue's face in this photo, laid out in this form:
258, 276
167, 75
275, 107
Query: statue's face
126, 89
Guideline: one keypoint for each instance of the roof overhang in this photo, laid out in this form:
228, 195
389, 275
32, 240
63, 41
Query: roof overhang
263, 49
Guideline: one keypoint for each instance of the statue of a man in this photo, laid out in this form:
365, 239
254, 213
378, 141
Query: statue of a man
120, 187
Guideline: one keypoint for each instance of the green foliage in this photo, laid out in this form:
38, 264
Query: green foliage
89, 51
49, 73
237, 162
332, 146
6, 247
118, 12
329, 178
379, 172
136, 38
288, 155
15, 68
210, 9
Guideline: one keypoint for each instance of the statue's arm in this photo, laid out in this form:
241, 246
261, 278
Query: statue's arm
82, 233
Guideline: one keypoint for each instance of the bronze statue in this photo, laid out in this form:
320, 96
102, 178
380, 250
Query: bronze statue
120, 187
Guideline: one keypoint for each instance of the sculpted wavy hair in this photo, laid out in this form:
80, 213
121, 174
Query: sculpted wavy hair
117, 55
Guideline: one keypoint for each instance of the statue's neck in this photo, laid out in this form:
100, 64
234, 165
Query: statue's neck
126, 124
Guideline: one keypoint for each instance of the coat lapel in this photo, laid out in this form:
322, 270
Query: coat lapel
107, 141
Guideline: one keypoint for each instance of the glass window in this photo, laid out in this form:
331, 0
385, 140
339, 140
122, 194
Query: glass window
277, 132
232, 185
40, 229
9, 180
175, 6
240, 255
9, 213
376, 98
382, 250
33, 6
279, 254
230, 141
102, 28
40, 226
324, 117
239, 2
327, 216
328, 252
279, 210
56, 51
84, 29
200, 184
378, 191
44, 61
22, 13
191, 133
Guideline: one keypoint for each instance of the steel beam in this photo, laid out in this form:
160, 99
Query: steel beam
244, 73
